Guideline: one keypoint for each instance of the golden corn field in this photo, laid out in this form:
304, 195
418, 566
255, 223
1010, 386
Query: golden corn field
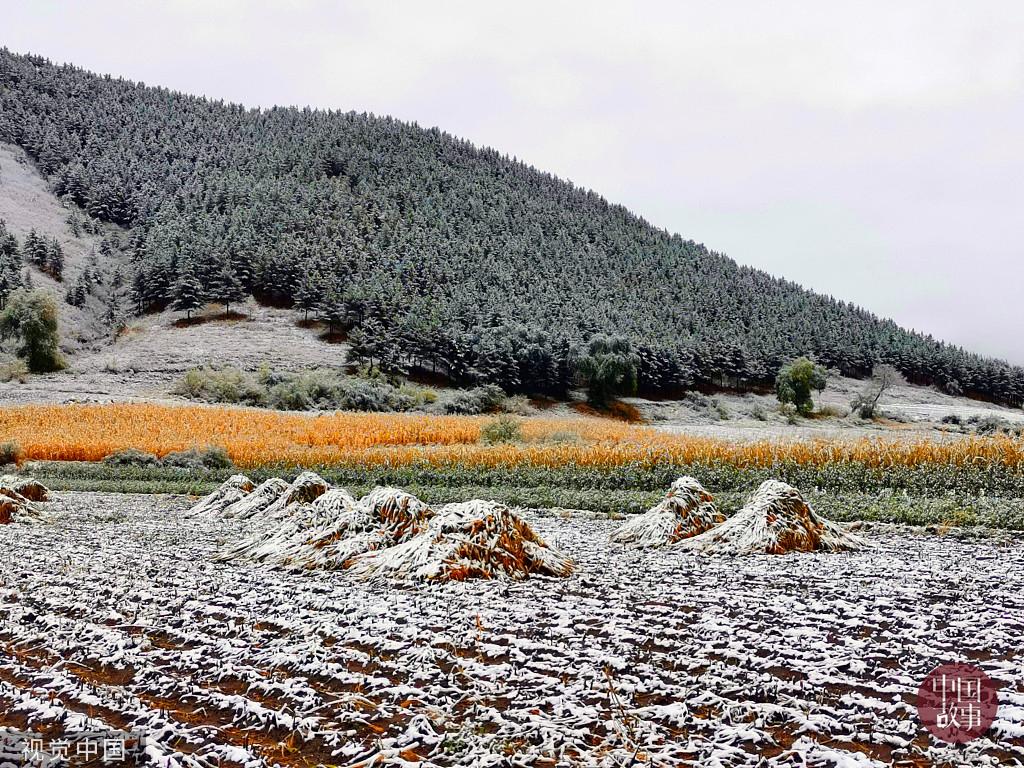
256, 438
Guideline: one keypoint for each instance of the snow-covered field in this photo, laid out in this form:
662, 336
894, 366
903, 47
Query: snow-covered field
114, 615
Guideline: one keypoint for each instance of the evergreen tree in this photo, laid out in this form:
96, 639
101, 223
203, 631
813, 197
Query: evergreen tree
307, 293
54, 263
226, 287
187, 294
608, 367
387, 209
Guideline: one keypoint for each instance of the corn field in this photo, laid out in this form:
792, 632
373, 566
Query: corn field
257, 438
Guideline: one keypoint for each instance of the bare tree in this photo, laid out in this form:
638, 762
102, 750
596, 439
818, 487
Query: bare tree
883, 378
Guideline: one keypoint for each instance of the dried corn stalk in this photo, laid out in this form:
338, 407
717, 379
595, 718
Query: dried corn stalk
334, 528
30, 489
15, 508
687, 510
476, 539
774, 521
303, 489
266, 493
231, 490
469, 540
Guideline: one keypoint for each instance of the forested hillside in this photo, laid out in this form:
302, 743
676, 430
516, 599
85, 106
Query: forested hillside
426, 250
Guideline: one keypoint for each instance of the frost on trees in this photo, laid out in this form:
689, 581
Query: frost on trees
774, 521
388, 532
17, 497
687, 510
234, 489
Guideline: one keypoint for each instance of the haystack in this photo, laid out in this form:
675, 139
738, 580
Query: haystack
30, 489
687, 510
233, 489
476, 539
15, 508
305, 488
335, 528
254, 503
774, 521
468, 540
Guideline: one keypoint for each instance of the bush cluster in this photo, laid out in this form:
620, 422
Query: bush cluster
486, 399
311, 390
212, 457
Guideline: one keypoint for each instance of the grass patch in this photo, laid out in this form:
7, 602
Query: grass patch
880, 505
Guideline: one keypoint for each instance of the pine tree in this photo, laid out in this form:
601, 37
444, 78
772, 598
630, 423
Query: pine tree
55, 260
187, 294
226, 287
114, 315
307, 293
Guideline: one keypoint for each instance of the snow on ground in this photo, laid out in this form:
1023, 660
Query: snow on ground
115, 611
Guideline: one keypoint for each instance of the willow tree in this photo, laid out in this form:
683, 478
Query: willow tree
31, 318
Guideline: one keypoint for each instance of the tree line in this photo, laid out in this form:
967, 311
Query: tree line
428, 252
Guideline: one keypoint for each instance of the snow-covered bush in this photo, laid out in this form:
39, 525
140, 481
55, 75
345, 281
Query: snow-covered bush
131, 457
211, 457
472, 402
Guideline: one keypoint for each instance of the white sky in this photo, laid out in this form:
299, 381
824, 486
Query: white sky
872, 151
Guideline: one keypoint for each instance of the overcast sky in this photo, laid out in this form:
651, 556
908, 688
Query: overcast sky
871, 152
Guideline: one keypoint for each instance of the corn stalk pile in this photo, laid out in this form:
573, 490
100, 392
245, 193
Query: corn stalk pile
775, 520
687, 510
16, 499
467, 540
254, 503
235, 488
388, 532
112, 616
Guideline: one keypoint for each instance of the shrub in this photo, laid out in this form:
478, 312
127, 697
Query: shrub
831, 412
883, 378
503, 429
305, 391
358, 395
31, 318
988, 425
759, 412
220, 385
485, 399
795, 382
131, 457
607, 368
212, 457
517, 404
14, 370
10, 452
952, 418
418, 395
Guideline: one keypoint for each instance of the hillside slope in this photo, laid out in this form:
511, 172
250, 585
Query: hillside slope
428, 251
28, 205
